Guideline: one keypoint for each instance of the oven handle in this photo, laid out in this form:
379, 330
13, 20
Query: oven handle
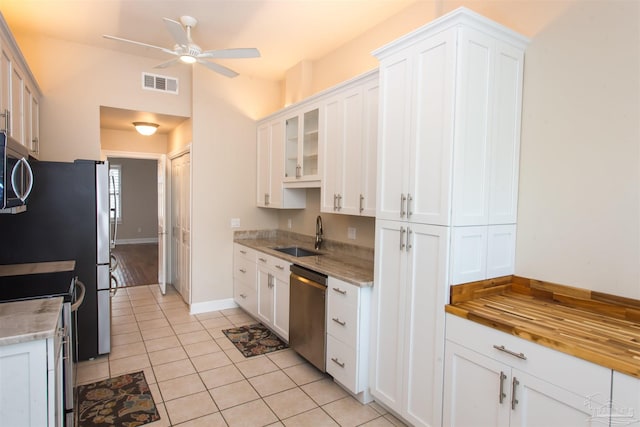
80, 299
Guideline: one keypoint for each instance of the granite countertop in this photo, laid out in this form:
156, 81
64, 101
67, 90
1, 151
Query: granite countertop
597, 327
23, 321
350, 263
36, 268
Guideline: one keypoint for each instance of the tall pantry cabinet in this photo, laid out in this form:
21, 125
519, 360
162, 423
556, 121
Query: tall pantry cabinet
450, 105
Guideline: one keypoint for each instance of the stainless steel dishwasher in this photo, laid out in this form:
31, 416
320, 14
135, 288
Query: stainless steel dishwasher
307, 309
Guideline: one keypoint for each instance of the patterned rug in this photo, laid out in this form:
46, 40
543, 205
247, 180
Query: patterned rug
123, 401
255, 339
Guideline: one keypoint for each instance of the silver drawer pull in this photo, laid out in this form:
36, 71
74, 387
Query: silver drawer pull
279, 267
335, 360
263, 259
242, 270
243, 296
340, 291
338, 321
513, 353
243, 252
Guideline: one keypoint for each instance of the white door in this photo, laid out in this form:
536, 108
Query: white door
186, 229
162, 225
181, 225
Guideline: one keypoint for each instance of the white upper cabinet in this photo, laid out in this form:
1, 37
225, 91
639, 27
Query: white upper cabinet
348, 149
450, 123
270, 152
19, 94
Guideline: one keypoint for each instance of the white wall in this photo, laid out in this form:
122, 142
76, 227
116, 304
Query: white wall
77, 79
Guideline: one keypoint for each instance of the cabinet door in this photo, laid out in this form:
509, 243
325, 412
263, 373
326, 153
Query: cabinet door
35, 124
431, 150
308, 154
281, 305
17, 105
425, 298
263, 149
26, 115
540, 403
476, 389
351, 166
292, 138
265, 295
393, 146
276, 165
369, 150
5, 86
332, 153
625, 399
388, 309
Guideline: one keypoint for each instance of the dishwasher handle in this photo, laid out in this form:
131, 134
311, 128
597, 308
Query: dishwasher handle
311, 275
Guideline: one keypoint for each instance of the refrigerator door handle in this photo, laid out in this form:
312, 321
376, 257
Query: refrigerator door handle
113, 263
113, 289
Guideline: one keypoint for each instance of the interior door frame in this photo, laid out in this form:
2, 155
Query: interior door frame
169, 214
162, 201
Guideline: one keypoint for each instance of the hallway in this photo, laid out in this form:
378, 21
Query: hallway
198, 378
137, 264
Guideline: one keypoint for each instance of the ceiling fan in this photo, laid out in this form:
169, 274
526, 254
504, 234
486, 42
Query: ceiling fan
188, 52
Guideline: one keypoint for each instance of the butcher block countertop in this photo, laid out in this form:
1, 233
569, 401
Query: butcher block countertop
601, 328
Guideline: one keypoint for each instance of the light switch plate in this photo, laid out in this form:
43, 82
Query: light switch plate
351, 233
235, 222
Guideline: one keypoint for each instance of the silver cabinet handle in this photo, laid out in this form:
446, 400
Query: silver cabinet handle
335, 202
403, 200
243, 296
280, 267
335, 360
514, 401
338, 321
512, 353
243, 252
339, 201
298, 171
7, 121
267, 199
409, 238
502, 393
263, 259
361, 203
242, 270
409, 200
340, 291
402, 233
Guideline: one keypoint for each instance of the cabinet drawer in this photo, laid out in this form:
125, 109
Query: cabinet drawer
341, 363
244, 271
340, 291
246, 297
277, 266
342, 321
572, 373
241, 251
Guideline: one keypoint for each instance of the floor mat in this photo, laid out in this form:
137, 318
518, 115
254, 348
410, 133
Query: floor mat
121, 401
255, 339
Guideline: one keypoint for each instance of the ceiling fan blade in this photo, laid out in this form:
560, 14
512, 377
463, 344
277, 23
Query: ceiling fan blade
167, 64
177, 31
249, 52
219, 68
140, 44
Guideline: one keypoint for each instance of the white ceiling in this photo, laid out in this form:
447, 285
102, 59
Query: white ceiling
285, 31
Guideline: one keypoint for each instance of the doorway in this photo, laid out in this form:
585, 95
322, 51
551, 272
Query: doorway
141, 204
180, 203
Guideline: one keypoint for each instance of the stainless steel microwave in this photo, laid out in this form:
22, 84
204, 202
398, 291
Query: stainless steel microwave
16, 176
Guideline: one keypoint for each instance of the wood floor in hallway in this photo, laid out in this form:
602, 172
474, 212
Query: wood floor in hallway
137, 264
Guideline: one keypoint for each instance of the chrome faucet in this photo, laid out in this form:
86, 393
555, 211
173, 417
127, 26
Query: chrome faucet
318, 233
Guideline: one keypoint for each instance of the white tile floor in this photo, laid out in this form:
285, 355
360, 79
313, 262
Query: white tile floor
198, 378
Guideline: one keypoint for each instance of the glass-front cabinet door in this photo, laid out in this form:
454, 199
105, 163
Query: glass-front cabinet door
302, 146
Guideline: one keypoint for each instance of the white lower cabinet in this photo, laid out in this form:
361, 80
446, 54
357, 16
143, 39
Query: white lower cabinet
625, 400
31, 383
496, 379
348, 316
409, 294
273, 293
245, 292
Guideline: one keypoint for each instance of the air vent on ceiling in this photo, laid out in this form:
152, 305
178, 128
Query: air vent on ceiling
159, 83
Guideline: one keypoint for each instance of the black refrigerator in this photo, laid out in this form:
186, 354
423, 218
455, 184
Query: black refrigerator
67, 218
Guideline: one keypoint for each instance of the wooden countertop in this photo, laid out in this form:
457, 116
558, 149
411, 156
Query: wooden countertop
30, 320
36, 268
345, 262
601, 328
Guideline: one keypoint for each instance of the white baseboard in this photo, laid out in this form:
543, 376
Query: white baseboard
136, 241
216, 305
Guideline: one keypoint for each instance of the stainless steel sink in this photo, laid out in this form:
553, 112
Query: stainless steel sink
296, 251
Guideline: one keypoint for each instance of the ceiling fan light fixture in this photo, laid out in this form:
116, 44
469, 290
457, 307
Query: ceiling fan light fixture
145, 128
187, 59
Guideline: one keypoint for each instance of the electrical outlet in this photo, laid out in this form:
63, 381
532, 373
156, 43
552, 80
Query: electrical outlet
289, 223
235, 222
351, 233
